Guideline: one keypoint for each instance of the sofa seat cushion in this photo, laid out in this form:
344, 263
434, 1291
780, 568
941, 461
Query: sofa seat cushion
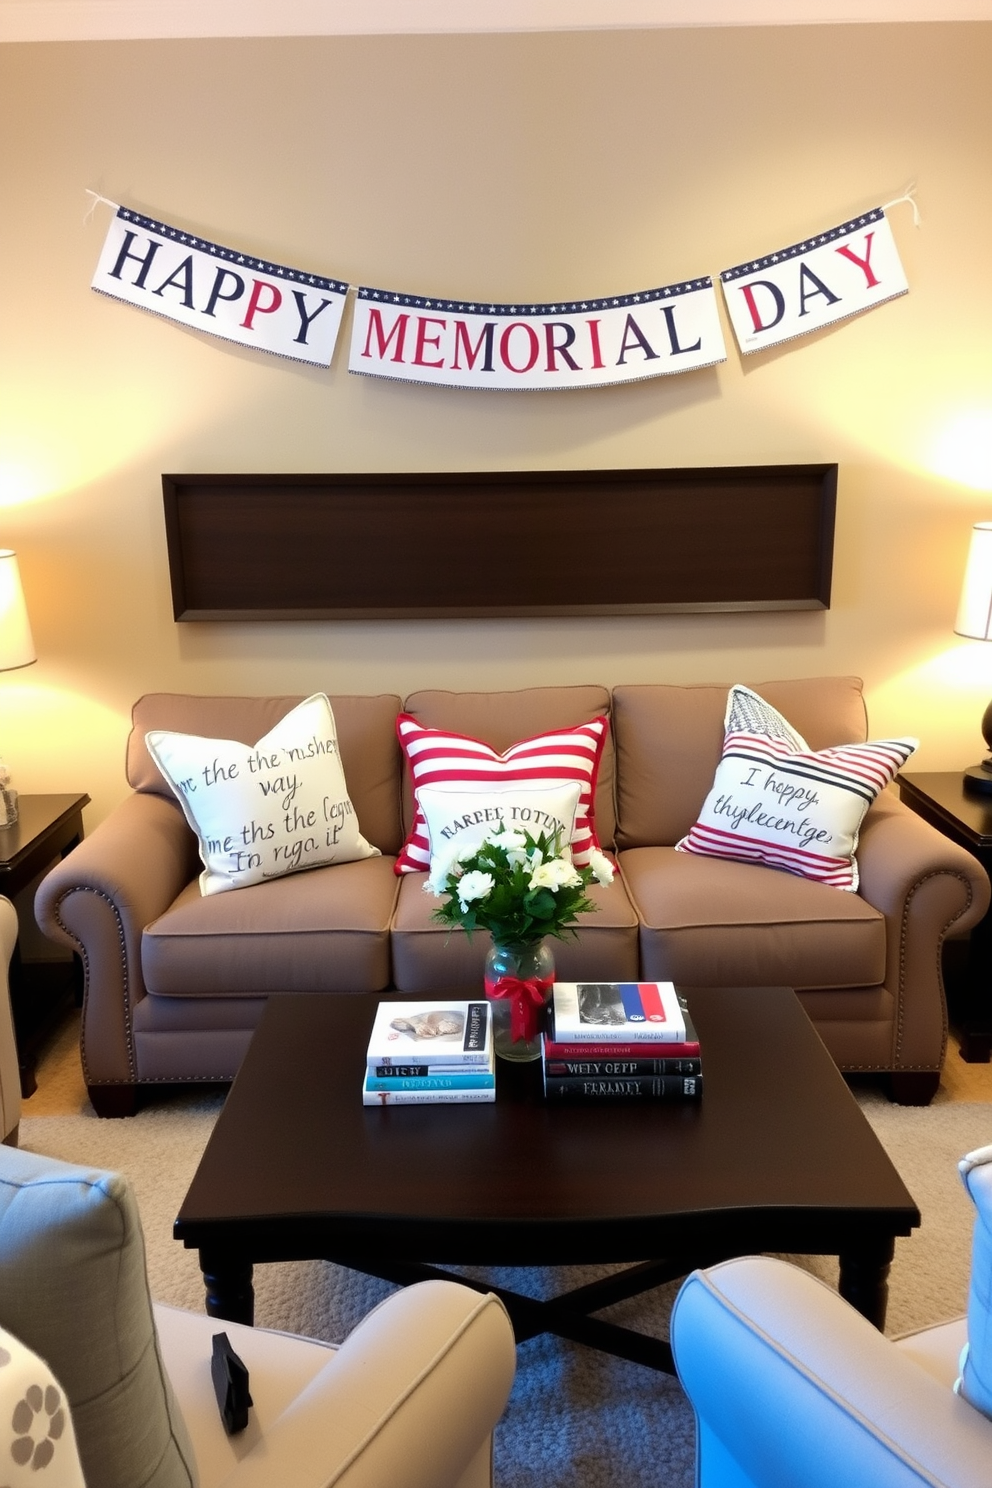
429, 958
713, 922
326, 930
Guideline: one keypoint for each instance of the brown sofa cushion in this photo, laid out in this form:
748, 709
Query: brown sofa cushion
326, 930
427, 957
503, 718
366, 728
712, 922
669, 741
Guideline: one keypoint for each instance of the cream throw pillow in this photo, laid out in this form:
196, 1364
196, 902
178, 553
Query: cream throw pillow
777, 802
266, 809
459, 817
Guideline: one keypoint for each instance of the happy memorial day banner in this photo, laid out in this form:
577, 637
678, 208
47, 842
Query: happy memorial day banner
831, 276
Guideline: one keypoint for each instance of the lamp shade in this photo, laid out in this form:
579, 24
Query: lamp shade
16, 644
975, 610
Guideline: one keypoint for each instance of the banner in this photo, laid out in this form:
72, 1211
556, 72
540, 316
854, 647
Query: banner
578, 343
264, 305
833, 275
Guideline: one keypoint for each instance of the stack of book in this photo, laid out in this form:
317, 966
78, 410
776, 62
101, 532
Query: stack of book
427, 1052
613, 1041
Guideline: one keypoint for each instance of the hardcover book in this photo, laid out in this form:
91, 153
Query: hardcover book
626, 1012
607, 1049
431, 1033
426, 1097
396, 1077
613, 1069
632, 1087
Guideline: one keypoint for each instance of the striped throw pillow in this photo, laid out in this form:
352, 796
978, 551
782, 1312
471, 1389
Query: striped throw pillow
776, 801
560, 757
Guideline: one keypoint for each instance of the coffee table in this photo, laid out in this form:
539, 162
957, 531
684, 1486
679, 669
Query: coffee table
776, 1157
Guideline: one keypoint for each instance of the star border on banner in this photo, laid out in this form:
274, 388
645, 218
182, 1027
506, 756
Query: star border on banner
798, 249
562, 307
231, 255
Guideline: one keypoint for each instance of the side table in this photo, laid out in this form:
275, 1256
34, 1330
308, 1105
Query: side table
48, 827
965, 817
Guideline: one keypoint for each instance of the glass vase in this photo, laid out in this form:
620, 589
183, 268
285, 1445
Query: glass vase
8, 806
518, 980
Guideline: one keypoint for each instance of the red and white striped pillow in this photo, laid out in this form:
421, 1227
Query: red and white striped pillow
437, 757
776, 801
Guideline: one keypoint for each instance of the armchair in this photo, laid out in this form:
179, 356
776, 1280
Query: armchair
791, 1386
410, 1399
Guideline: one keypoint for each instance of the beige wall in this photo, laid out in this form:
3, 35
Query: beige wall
509, 166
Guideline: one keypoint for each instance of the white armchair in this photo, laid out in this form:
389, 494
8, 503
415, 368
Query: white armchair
791, 1386
410, 1399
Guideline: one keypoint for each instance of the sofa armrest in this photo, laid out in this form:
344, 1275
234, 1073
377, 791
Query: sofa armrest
791, 1385
410, 1399
898, 851
98, 900
924, 885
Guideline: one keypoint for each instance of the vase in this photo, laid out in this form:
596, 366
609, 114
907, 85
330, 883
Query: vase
518, 980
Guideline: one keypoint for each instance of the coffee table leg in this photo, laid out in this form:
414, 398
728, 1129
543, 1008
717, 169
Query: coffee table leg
864, 1278
230, 1294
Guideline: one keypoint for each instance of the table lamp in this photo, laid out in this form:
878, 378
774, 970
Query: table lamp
975, 621
16, 650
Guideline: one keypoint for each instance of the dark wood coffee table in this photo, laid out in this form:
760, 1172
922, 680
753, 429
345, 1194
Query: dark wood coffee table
776, 1157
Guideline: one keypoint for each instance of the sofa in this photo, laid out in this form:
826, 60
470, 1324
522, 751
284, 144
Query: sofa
175, 981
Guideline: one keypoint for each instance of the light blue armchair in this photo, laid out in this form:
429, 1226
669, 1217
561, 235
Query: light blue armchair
794, 1389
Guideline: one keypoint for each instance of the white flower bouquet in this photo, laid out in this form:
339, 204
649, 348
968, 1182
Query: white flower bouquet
518, 887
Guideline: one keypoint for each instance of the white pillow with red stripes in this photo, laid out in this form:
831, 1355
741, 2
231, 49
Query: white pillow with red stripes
560, 757
776, 801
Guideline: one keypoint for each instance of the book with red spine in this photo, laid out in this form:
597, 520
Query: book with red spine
687, 1050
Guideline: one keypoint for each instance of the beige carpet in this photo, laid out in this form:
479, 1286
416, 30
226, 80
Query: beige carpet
605, 1410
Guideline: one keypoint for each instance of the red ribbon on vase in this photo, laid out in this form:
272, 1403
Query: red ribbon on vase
528, 997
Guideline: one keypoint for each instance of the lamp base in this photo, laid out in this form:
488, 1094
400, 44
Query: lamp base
978, 778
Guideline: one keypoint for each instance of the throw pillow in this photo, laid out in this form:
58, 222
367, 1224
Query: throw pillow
975, 1383
459, 816
36, 1432
562, 756
266, 809
73, 1288
776, 801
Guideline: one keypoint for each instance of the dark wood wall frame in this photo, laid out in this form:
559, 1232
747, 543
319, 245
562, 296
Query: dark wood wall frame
564, 542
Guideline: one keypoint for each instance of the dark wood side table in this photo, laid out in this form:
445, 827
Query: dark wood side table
48, 827
965, 817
